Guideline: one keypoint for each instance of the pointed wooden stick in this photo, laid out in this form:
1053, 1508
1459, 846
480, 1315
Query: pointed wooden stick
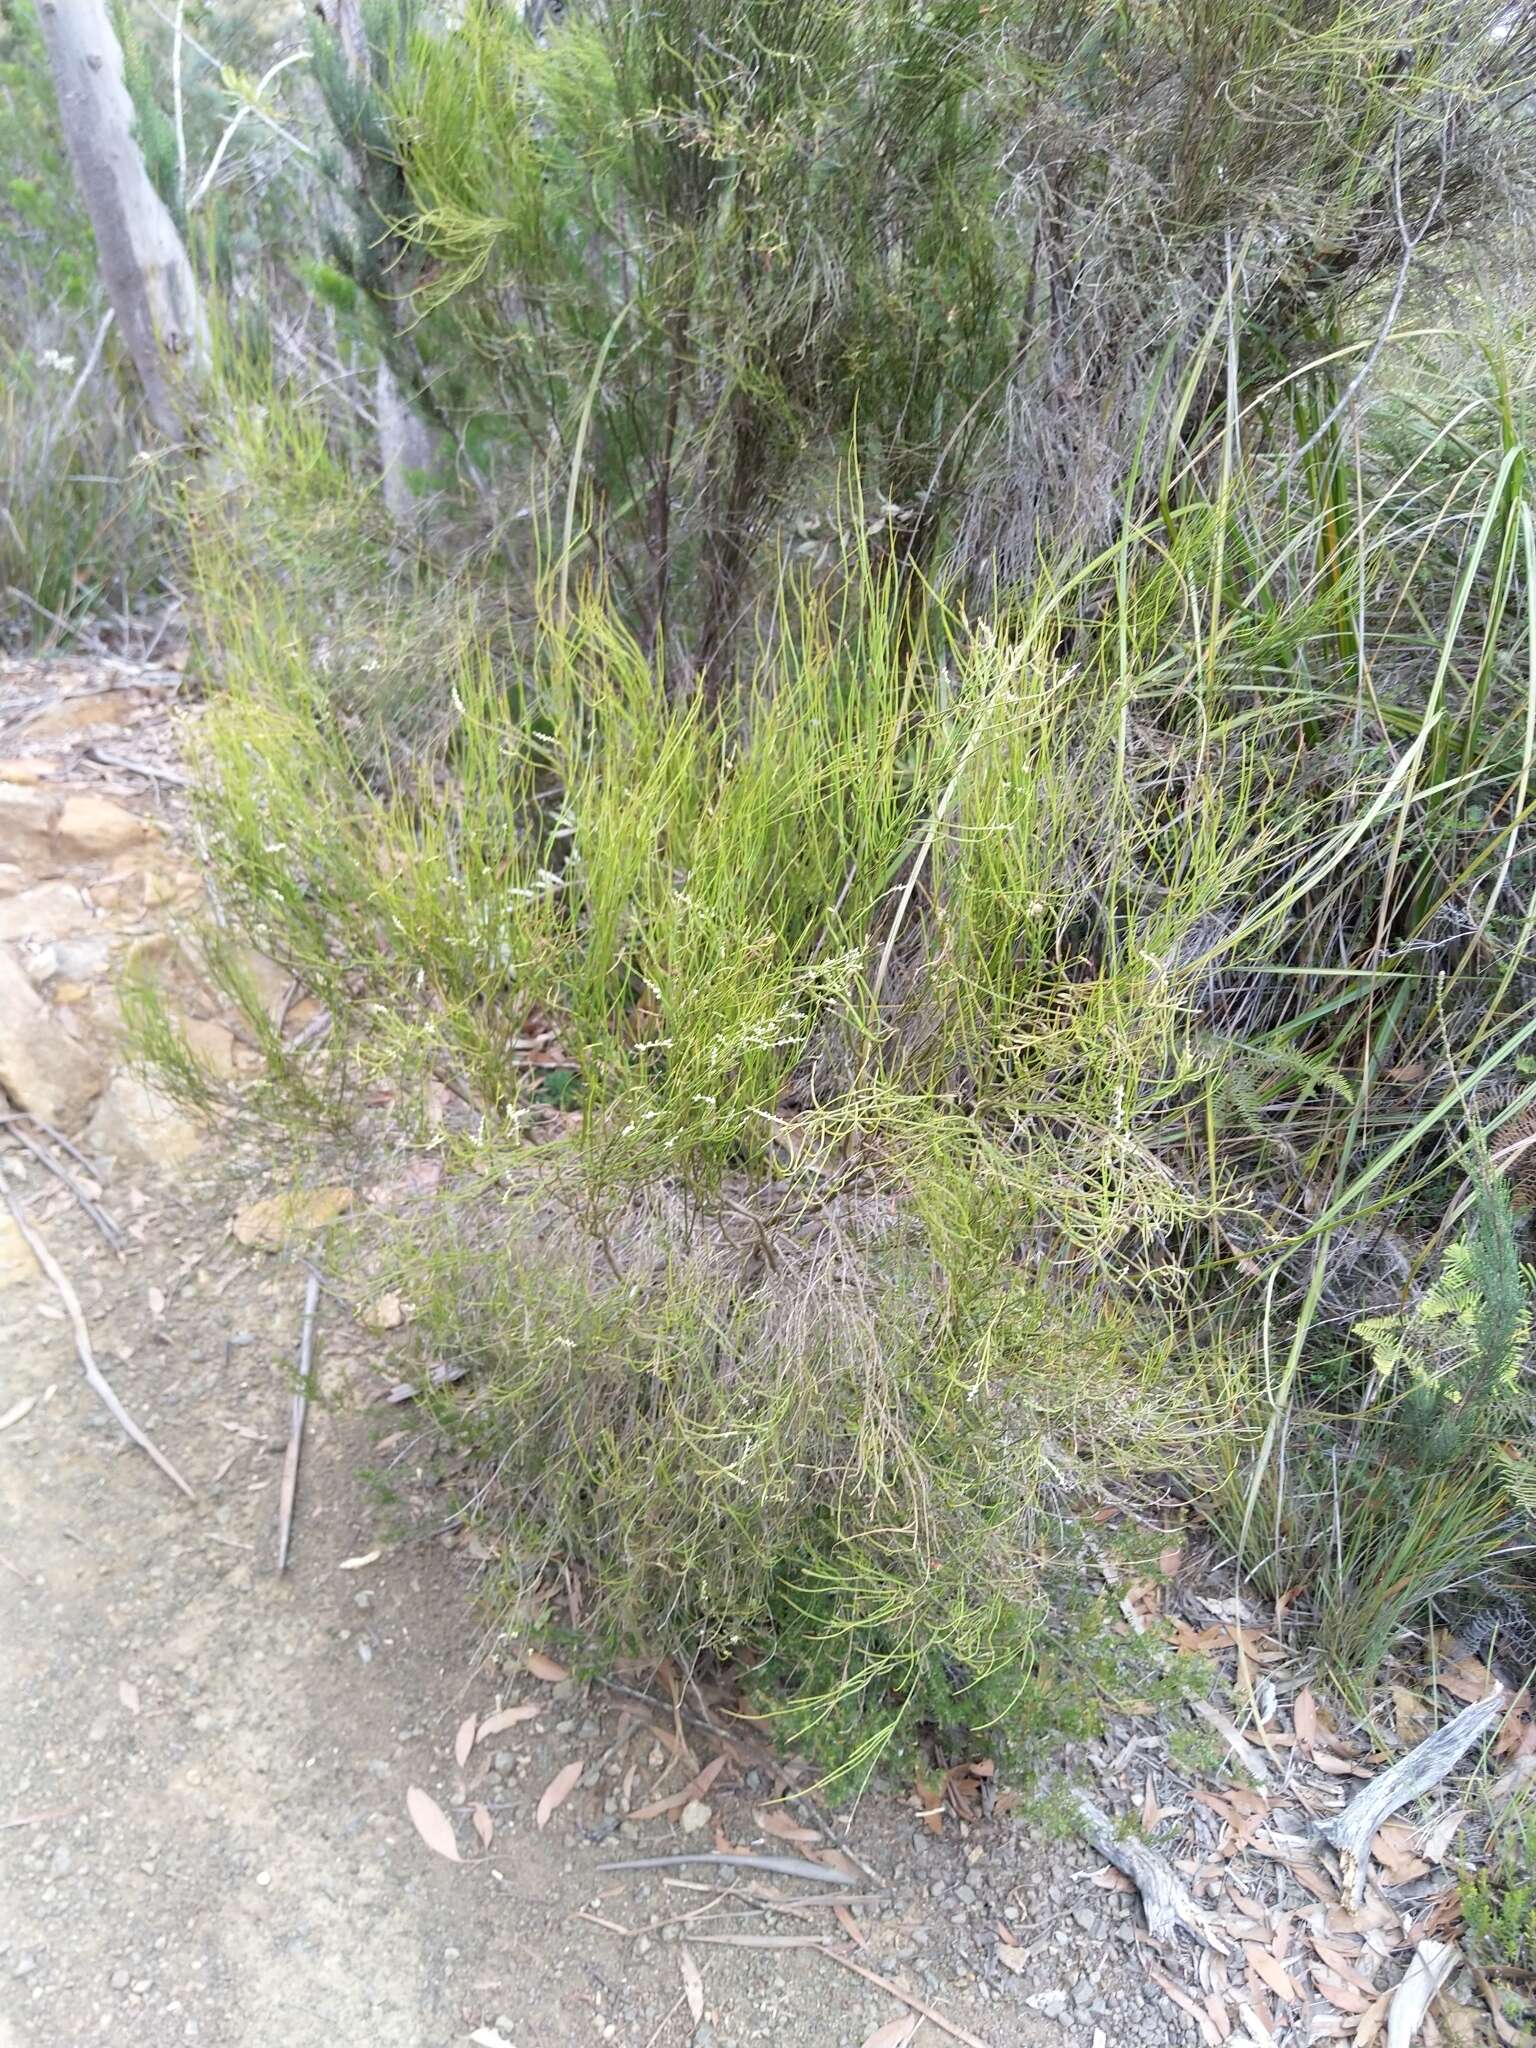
296, 1427
96, 1379
781, 1866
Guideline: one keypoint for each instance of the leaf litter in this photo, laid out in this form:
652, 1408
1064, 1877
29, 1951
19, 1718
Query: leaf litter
1258, 1934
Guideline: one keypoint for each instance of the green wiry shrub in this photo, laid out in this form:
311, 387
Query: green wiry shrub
876, 1006
967, 1048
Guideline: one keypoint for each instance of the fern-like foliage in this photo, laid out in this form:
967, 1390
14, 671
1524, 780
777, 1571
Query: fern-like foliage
1458, 1354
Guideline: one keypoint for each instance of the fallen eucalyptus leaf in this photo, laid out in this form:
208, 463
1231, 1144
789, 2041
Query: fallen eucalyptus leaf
693, 1984
895, 2033
557, 1791
508, 1717
431, 1823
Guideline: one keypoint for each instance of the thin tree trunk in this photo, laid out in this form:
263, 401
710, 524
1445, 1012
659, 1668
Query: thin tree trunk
406, 442
143, 260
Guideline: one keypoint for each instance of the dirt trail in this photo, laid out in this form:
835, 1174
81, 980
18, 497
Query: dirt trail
203, 1764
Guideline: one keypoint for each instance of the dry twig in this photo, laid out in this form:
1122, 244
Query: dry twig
930, 2013
107, 1225
782, 1866
296, 1427
106, 757
95, 1378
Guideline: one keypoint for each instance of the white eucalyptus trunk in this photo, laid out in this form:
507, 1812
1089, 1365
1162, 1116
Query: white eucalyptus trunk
142, 258
406, 442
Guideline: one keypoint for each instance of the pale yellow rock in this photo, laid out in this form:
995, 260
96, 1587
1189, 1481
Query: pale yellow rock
74, 714
93, 827
26, 822
212, 1045
387, 1313
270, 1224
147, 951
16, 1260
270, 980
25, 774
41, 1067
301, 1015
137, 1126
53, 910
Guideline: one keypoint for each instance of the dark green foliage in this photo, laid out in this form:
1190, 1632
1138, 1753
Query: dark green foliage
1498, 1900
714, 243
701, 256
1457, 1358
153, 128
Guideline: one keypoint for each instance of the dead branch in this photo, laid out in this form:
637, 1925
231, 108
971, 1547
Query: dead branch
107, 1225
1165, 1899
781, 1866
930, 2013
296, 1426
1353, 1830
95, 1378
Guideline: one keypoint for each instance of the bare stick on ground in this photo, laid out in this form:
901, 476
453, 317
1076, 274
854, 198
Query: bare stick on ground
54, 1137
150, 770
296, 1427
930, 2013
781, 1866
1352, 1831
106, 1224
95, 1378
